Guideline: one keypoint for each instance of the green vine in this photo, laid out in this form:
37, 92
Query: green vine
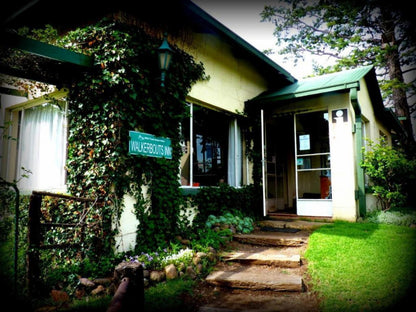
123, 93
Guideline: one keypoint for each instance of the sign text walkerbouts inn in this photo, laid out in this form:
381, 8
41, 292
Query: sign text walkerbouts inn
145, 144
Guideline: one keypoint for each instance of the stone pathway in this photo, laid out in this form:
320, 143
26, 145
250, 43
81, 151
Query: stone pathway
263, 271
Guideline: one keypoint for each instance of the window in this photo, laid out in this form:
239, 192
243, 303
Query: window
211, 148
40, 152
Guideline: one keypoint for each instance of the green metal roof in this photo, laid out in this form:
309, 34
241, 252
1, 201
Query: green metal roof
45, 50
316, 85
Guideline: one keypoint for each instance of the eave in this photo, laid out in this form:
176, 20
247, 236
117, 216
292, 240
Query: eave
42, 49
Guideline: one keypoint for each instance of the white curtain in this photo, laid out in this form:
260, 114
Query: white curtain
42, 148
234, 154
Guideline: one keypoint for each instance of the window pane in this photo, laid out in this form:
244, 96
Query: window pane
313, 156
186, 152
210, 141
314, 162
312, 133
314, 185
42, 148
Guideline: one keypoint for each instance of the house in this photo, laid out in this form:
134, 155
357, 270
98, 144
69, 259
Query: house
314, 133
312, 130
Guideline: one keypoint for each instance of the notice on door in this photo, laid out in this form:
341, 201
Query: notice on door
304, 142
146, 144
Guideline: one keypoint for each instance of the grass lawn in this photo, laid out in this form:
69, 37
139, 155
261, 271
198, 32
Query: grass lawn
362, 266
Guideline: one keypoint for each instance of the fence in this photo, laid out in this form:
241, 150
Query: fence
38, 225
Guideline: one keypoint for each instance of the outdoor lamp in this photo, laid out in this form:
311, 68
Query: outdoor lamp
165, 55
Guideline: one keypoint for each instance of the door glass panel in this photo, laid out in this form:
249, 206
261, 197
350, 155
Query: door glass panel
313, 159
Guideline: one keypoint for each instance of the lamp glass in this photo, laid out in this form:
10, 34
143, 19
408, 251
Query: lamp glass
165, 55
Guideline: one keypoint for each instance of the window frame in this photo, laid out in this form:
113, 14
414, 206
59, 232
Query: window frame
12, 146
194, 184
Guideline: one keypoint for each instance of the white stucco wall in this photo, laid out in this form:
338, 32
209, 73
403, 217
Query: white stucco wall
232, 80
344, 205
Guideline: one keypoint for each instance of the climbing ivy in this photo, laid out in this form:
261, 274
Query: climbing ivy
121, 93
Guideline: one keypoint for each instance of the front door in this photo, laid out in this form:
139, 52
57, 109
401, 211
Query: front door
313, 164
280, 166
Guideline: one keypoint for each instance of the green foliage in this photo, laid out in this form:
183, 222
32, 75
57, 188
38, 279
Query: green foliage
123, 93
225, 198
389, 171
351, 34
209, 238
93, 304
241, 224
168, 296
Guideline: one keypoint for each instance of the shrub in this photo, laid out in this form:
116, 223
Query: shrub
218, 200
241, 224
395, 217
389, 171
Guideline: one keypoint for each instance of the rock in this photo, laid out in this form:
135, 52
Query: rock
183, 241
224, 226
157, 276
86, 282
99, 290
146, 273
80, 292
103, 281
59, 296
212, 254
186, 242
190, 272
198, 257
127, 269
171, 272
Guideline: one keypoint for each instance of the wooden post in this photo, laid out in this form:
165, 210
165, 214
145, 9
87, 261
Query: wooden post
130, 293
33, 274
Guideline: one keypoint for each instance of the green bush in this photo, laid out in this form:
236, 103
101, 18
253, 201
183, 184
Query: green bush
390, 171
241, 224
218, 200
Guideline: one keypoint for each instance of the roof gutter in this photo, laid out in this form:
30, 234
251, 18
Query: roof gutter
358, 129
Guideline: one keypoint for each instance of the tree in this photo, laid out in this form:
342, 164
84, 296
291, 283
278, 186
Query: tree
355, 33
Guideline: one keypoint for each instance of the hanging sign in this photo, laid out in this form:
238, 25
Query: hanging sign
146, 144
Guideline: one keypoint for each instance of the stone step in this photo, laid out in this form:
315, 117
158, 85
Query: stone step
258, 301
271, 238
291, 224
282, 257
256, 277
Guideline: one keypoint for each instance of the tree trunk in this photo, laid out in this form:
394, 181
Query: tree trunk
399, 96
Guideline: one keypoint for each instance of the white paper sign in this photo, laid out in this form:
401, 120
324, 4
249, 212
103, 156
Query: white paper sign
304, 142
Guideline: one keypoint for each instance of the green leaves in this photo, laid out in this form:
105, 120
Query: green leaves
389, 171
351, 34
123, 93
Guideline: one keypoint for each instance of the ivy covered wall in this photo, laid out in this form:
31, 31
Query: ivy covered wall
123, 93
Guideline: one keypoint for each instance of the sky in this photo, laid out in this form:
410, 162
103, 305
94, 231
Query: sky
243, 18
